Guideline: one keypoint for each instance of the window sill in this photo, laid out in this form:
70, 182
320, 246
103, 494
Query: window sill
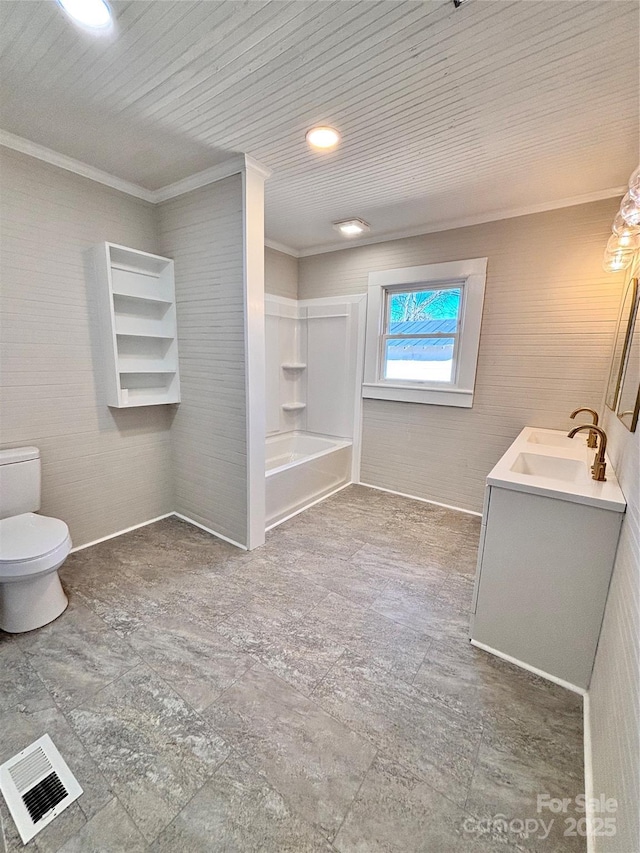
460, 397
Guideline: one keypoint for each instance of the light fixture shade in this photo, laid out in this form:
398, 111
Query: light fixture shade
621, 228
630, 210
323, 137
94, 14
352, 227
616, 260
623, 243
634, 185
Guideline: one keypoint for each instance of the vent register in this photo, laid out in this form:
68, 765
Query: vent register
37, 785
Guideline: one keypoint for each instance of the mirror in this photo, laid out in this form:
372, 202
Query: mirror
622, 336
629, 394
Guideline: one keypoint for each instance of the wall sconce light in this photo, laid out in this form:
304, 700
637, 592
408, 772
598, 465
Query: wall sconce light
624, 243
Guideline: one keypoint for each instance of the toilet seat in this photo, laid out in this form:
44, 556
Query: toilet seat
31, 544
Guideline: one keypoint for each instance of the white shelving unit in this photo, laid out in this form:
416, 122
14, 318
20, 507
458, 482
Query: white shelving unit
138, 319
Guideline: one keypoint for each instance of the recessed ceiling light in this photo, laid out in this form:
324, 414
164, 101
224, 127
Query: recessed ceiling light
90, 13
323, 137
352, 227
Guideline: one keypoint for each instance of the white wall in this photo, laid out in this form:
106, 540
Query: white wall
203, 232
615, 684
548, 323
280, 274
103, 469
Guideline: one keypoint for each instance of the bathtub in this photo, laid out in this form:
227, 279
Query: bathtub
301, 469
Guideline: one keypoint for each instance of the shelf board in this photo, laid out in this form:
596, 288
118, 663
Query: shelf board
140, 298
152, 370
166, 337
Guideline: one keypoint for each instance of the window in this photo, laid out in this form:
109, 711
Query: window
423, 333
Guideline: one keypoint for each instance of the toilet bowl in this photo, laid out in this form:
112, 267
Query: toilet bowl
32, 547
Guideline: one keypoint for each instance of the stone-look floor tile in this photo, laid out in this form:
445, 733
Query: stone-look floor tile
237, 811
360, 584
20, 728
154, 750
207, 598
286, 589
196, 661
336, 542
111, 830
370, 636
397, 565
76, 655
436, 744
19, 682
292, 649
314, 761
123, 604
506, 785
395, 812
457, 591
411, 605
469, 679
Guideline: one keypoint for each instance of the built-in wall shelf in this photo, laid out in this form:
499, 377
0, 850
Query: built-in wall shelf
293, 366
138, 320
293, 407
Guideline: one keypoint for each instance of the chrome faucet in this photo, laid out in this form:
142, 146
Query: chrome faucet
599, 466
592, 441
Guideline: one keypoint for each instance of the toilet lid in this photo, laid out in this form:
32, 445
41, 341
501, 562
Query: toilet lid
23, 537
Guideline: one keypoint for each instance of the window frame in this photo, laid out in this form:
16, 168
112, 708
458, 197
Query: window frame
470, 275
385, 335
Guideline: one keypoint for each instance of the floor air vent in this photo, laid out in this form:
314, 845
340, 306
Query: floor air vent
37, 785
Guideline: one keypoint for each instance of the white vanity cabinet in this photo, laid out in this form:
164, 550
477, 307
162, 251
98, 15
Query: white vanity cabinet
546, 556
138, 320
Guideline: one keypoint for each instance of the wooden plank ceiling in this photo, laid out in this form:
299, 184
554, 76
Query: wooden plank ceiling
445, 113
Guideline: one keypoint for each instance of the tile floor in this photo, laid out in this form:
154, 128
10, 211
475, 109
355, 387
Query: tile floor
317, 695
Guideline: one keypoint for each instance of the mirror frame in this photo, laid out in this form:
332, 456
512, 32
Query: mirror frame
633, 328
623, 330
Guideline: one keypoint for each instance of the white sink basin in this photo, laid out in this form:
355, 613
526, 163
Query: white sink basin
553, 439
549, 467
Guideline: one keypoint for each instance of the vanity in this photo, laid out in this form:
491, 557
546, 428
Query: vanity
547, 547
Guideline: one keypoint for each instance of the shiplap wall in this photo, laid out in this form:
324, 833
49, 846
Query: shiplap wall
280, 274
202, 232
615, 683
102, 469
548, 322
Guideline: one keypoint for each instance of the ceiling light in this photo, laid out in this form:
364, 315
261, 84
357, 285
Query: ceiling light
90, 13
323, 137
352, 227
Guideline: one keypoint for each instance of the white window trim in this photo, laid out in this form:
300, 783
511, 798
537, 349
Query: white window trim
459, 392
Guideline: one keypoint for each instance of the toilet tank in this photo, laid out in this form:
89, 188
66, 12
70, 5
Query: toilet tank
19, 481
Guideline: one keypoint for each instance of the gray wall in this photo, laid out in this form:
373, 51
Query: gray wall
615, 684
202, 232
280, 274
103, 469
548, 322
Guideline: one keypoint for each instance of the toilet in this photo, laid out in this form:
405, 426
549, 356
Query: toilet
32, 547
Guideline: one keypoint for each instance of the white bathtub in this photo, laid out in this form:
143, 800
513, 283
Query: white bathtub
301, 469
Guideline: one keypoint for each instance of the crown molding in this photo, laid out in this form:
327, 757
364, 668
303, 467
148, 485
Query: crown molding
232, 166
47, 155
280, 247
452, 224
